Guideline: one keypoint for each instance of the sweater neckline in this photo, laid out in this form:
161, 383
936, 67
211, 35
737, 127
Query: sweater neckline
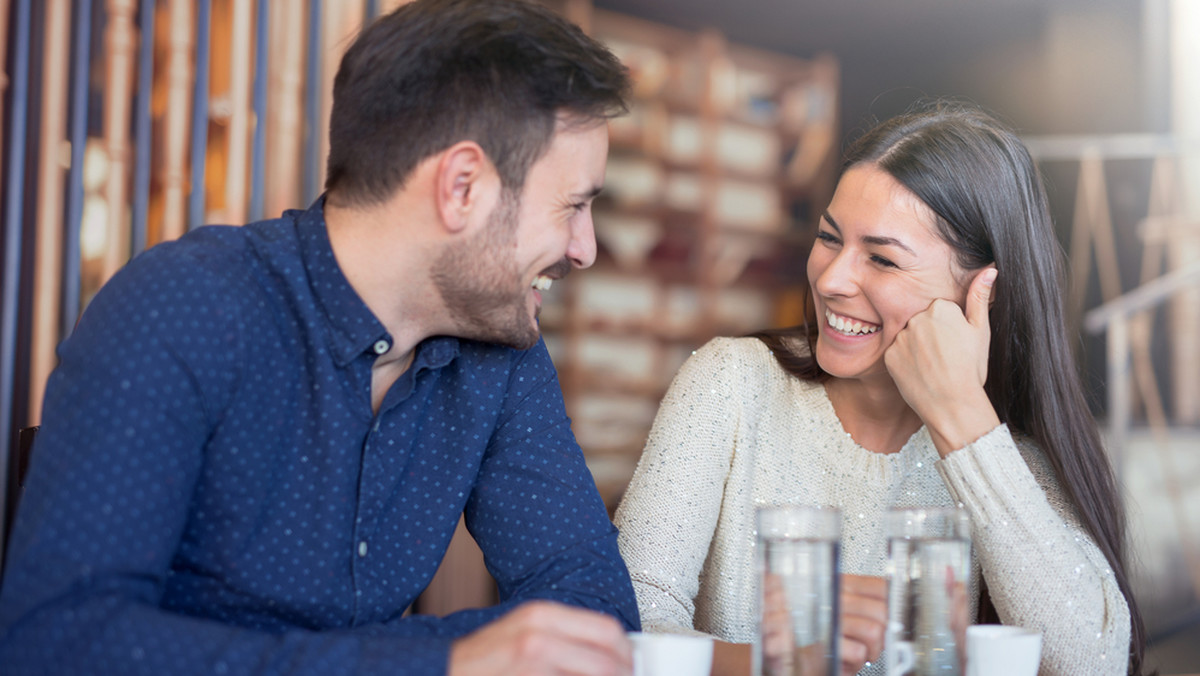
917, 450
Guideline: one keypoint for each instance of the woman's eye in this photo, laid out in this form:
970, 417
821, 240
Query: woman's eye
827, 237
880, 260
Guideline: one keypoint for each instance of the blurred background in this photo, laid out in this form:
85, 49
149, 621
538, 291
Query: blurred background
129, 122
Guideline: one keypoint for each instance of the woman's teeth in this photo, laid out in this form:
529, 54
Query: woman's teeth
542, 282
849, 327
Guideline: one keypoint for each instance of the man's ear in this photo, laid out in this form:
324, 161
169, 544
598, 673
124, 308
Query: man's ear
465, 177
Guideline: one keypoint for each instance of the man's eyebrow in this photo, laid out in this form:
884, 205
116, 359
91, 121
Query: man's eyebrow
875, 240
590, 194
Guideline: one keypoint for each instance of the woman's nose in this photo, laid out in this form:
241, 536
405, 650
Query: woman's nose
836, 274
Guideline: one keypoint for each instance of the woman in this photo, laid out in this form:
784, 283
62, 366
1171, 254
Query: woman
933, 370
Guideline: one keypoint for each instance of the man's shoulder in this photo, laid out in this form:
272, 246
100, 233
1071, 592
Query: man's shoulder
214, 256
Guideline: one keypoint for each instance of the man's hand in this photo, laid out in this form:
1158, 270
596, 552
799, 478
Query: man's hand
864, 620
542, 637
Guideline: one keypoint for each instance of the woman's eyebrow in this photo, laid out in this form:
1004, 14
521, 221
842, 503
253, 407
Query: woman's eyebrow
876, 240
887, 241
830, 221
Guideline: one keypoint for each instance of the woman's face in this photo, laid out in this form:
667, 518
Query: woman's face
878, 260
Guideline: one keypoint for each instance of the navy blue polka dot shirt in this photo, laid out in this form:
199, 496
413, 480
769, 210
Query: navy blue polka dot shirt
210, 492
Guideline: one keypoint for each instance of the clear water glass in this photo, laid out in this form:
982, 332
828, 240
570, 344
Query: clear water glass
798, 551
929, 561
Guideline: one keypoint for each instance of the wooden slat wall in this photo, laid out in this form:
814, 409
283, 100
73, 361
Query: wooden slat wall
149, 150
180, 73
51, 174
120, 44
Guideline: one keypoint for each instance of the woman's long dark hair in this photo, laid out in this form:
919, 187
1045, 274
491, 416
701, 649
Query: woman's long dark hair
991, 207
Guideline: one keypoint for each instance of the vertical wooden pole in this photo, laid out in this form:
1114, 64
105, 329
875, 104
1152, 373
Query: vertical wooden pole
1092, 229
10, 271
341, 23
176, 117
285, 104
1118, 391
72, 255
119, 43
53, 150
4, 7
238, 139
258, 143
139, 221
312, 173
197, 198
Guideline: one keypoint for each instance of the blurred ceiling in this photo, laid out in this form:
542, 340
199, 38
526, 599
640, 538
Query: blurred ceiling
1051, 66
803, 27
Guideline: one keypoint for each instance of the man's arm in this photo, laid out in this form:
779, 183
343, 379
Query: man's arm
535, 510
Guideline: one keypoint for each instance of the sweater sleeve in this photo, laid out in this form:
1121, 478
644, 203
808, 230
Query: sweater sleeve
670, 510
1042, 568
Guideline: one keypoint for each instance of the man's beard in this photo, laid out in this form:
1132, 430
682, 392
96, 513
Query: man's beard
480, 284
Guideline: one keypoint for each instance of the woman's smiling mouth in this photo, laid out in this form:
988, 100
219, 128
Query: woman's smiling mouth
848, 327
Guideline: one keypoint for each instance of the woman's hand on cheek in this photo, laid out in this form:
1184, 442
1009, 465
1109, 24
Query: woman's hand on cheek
939, 363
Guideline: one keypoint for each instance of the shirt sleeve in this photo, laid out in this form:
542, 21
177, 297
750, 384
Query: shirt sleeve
535, 511
1042, 568
140, 383
668, 515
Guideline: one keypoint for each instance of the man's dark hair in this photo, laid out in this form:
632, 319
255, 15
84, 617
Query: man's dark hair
436, 72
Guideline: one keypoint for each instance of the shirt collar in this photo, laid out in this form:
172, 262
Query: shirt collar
353, 328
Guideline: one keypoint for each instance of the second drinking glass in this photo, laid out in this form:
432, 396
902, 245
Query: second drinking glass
929, 561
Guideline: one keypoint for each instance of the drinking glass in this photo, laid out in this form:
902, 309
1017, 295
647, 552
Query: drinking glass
929, 559
798, 549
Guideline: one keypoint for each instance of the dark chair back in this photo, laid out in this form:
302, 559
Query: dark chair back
17, 468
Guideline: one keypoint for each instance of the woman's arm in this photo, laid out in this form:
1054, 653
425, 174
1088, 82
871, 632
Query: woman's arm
1042, 569
670, 509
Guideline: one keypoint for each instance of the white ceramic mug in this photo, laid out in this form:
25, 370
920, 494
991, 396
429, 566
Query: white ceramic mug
671, 654
998, 650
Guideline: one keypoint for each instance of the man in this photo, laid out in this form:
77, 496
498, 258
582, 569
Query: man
259, 440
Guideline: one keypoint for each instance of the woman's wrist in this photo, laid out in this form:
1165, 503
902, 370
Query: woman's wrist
952, 428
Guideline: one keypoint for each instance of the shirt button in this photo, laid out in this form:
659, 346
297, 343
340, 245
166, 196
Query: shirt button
362, 548
381, 347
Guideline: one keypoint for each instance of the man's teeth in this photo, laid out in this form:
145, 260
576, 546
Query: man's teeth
847, 326
542, 282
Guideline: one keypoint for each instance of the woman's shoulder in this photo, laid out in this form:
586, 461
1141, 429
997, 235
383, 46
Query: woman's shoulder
741, 366
745, 350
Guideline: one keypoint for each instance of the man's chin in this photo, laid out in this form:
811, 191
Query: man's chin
518, 339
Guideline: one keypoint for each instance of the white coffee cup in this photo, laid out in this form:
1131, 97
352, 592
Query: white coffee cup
998, 650
671, 654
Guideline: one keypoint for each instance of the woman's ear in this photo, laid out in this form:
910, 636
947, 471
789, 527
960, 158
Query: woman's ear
464, 180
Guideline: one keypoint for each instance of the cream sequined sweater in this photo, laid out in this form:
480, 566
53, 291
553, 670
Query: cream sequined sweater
736, 430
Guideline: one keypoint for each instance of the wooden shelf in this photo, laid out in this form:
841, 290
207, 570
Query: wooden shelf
715, 183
